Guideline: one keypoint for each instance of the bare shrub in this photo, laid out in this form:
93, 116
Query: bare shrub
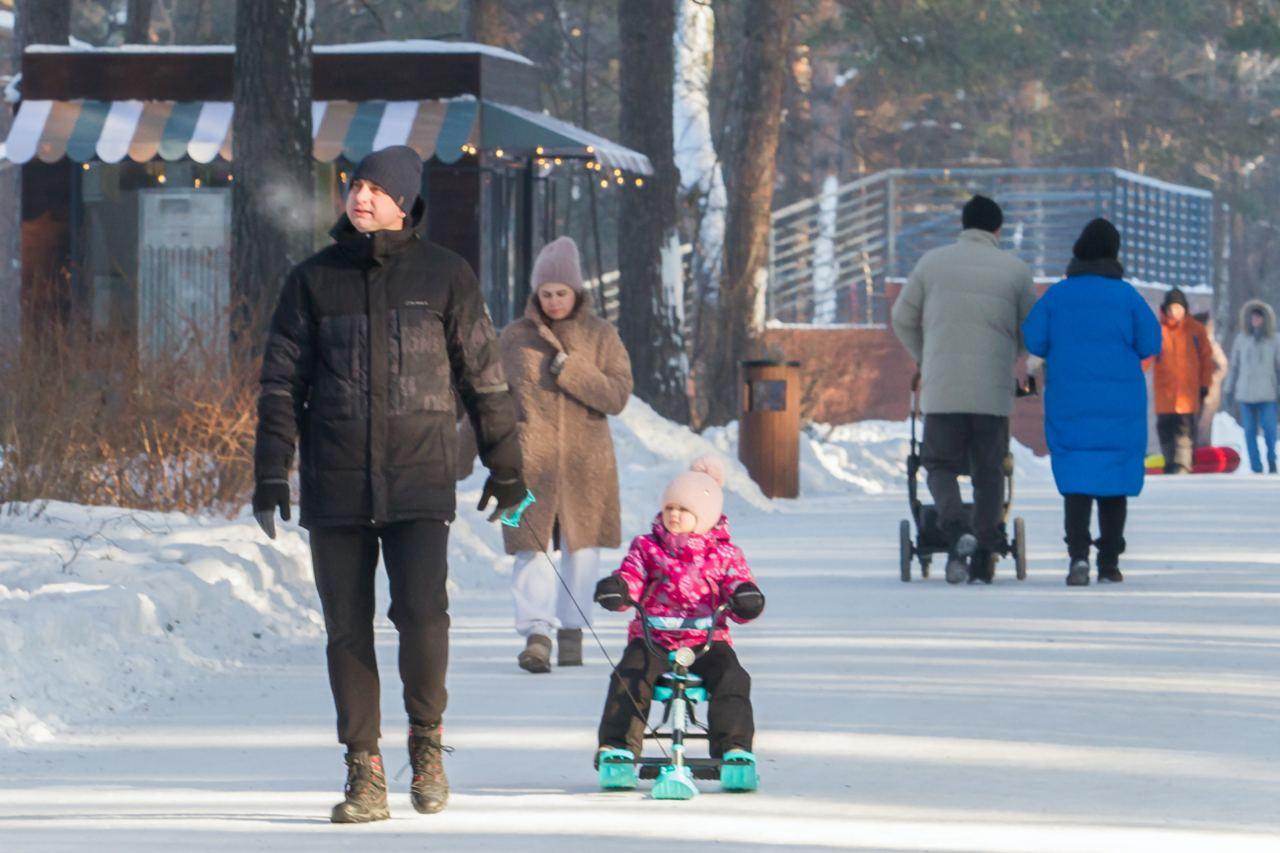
92, 422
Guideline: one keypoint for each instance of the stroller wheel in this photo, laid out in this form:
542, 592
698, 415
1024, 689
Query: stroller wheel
905, 551
1020, 548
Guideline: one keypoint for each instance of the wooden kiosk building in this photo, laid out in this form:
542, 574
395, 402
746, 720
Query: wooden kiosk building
128, 165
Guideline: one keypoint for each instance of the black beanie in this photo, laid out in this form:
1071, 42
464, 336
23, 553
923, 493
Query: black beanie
398, 170
982, 213
1175, 297
1098, 241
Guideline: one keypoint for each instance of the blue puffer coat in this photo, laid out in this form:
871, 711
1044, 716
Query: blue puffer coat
1094, 330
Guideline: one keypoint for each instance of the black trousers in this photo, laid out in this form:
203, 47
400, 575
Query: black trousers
955, 444
729, 719
1177, 441
1111, 517
345, 561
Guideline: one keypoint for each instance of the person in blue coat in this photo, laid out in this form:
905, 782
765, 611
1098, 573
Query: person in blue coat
1093, 330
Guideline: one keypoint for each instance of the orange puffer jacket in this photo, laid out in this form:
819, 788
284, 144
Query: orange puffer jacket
1184, 366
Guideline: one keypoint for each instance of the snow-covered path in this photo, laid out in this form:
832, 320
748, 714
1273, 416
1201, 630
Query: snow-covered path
892, 717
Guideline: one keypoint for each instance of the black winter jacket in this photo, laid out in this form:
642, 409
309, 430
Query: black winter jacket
373, 343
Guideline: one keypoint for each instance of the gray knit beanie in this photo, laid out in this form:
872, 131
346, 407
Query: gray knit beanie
398, 170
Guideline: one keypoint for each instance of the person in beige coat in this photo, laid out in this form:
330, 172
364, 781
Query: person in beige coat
568, 371
960, 316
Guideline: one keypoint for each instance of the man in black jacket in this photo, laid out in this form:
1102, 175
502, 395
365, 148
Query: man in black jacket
370, 342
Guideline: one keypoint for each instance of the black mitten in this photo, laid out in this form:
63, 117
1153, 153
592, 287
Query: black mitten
747, 601
612, 593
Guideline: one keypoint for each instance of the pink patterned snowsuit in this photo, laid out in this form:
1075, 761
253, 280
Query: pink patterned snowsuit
697, 572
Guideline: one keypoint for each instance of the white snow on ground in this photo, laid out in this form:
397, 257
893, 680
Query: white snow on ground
1022, 716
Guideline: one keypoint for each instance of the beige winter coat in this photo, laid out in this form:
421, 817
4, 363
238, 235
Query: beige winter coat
564, 433
960, 316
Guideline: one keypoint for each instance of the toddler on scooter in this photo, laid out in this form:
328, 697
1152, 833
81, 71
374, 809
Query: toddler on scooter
680, 572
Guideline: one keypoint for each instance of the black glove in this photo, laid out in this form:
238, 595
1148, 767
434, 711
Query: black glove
268, 496
747, 601
1204, 392
508, 492
612, 593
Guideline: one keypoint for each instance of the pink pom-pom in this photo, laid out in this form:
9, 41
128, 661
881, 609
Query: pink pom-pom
711, 466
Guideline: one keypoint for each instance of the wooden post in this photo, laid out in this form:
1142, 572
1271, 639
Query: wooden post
769, 425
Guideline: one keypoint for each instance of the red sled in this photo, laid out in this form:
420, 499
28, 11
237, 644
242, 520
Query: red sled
1207, 460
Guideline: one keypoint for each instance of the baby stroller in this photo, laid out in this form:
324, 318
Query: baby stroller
929, 538
679, 691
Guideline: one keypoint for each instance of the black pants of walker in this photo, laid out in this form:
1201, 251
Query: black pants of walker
977, 444
1177, 441
1111, 517
730, 721
346, 561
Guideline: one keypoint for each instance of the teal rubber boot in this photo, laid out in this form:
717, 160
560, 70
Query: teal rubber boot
617, 768
738, 771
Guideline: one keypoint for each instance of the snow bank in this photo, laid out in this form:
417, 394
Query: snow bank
107, 608
871, 456
103, 609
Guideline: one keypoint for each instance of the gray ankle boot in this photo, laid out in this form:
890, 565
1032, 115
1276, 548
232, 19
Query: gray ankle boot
536, 656
569, 647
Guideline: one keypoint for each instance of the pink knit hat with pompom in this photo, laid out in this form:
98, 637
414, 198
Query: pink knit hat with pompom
699, 490
558, 263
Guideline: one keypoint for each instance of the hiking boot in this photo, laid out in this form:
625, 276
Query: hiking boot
429, 791
1078, 573
569, 647
1110, 574
366, 790
982, 566
536, 656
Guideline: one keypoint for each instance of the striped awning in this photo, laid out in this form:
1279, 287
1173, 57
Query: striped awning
110, 131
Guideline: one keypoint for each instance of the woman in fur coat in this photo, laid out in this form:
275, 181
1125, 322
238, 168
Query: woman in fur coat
568, 372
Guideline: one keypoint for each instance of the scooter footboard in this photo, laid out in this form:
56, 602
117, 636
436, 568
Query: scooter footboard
706, 769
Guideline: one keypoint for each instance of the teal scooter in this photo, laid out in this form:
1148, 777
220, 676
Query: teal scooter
679, 691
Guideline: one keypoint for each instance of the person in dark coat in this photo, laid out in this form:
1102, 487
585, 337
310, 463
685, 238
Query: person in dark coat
1093, 329
374, 341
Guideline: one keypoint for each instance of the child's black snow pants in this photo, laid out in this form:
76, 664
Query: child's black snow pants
729, 718
346, 561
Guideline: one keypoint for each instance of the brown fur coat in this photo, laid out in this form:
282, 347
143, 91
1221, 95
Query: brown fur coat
564, 432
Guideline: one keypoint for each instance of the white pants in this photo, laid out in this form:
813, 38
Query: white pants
541, 601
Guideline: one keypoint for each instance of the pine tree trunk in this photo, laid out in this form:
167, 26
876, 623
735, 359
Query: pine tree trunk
485, 23
754, 122
272, 208
36, 22
648, 320
43, 22
138, 28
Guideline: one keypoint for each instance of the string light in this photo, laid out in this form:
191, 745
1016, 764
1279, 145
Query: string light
639, 182
620, 180
85, 167
197, 183
558, 161
617, 173
604, 184
540, 150
161, 179
499, 153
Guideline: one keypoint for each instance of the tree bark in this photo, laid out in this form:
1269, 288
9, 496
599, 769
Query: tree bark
43, 22
272, 207
649, 318
486, 24
36, 22
754, 123
138, 27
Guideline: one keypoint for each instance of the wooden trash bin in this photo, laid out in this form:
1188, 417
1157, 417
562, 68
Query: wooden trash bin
769, 425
